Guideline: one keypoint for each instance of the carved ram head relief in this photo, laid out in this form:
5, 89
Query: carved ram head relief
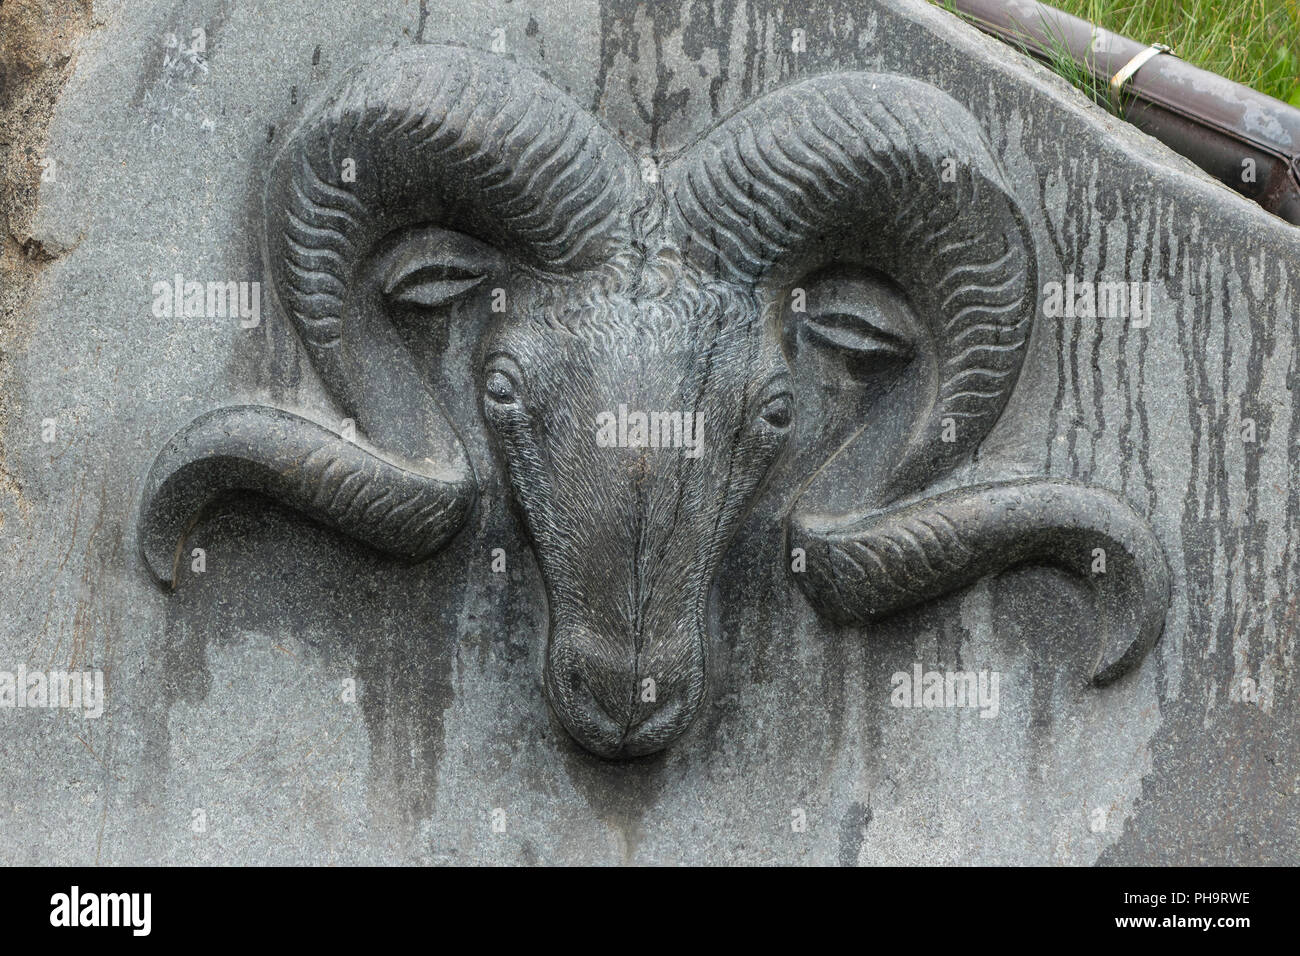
845, 249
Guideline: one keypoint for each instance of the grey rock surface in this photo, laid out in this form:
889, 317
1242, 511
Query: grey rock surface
230, 732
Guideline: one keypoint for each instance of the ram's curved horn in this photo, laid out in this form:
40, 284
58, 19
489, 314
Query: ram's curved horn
902, 169
430, 135
404, 507
903, 173
859, 571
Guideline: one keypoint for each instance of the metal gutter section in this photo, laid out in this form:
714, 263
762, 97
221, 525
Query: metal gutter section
1246, 140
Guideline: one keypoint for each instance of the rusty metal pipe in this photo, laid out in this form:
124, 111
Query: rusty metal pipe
1241, 137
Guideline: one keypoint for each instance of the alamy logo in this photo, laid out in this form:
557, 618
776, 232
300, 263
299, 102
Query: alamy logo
682, 430
103, 909
935, 689
70, 690
208, 300
1098, 300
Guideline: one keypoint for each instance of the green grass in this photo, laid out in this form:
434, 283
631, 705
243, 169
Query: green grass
1255, 42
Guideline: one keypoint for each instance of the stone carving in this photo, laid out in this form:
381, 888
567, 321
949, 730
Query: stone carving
844, 250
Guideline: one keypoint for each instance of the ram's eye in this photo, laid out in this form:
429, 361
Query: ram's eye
433, 267
433, 285
501, 383
500, 388
857, 335
860, 315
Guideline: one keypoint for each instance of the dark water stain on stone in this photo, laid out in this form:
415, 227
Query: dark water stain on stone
1149, 271
853, 833
1123, 377
1058, 329
271, 572
1082, 231
1286, 618
424, 18
619, 792
1106, 214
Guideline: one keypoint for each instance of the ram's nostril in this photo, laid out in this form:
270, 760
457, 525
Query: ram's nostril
657, 730
605, 703
588, 720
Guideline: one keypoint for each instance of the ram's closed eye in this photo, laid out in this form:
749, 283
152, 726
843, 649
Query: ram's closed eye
431, 285
857, 335
855, 313
434, 266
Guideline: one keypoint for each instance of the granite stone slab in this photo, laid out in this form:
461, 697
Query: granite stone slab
519, 432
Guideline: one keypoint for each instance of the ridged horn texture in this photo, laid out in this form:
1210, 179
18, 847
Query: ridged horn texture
897, 175
371, 495
434, 135
863, 570
902, 170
